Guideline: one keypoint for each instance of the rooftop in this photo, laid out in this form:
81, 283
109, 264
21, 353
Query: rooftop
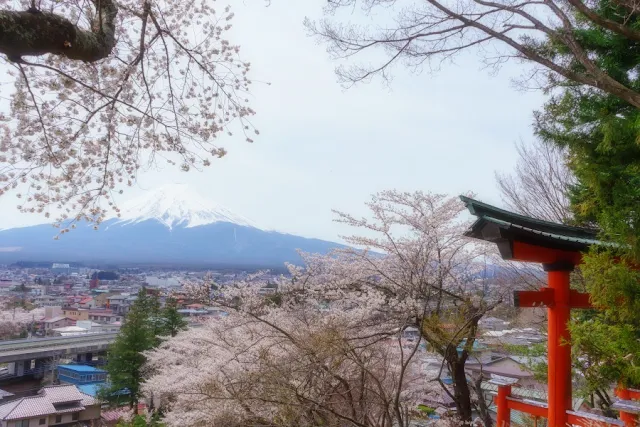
43, 403
502, 227
70, 329
90, 389
82, 368
55, 319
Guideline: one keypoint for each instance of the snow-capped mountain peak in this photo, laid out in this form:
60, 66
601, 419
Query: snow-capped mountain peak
177, 204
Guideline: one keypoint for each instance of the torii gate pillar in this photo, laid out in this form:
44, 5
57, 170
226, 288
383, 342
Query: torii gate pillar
559, 376
558, 248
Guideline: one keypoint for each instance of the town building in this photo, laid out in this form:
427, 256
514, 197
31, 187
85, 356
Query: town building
87, 302
69, 331
49, 324
104, 316
58, 268
493, 324
48, 300
62, 405
81, 374
75, 313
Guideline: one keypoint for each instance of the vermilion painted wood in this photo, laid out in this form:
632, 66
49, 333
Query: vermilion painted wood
532, 253
503, 418
588, 422
629, 420
559, 376
543, 297
518, 405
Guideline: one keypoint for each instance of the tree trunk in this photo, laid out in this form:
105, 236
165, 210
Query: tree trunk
482, 404
461, 391
34, 33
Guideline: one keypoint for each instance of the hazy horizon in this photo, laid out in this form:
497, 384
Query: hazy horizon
322, 147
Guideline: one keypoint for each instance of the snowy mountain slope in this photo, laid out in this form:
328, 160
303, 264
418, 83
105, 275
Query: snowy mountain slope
177, 204
171, 225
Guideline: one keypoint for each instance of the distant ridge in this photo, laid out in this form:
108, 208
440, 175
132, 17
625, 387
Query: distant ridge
169, 225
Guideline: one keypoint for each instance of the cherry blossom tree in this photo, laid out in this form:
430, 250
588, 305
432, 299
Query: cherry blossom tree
417, 269
410, 267
283, 365
105, 88
15, 320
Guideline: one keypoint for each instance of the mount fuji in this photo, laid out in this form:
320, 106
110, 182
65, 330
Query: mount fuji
177, 205
169, 225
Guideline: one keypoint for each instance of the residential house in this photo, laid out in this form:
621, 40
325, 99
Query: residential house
62, 405
493, 324
48, 324
75, 313
93, 327
118, 303
524, 337
111, 417
87, 302
104, 316
191, 312
52, 311
48, 300
101, 297
515, 367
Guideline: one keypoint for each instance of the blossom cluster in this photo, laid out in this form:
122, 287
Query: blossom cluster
326, 344
80, 131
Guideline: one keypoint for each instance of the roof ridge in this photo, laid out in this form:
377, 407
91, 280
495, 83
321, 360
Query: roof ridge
17, 401
95, 399
469, 202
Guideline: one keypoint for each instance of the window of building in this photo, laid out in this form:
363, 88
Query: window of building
22, 423
58, 419
42, 421
75, 416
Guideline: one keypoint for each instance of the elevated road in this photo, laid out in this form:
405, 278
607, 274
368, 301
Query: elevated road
44, 348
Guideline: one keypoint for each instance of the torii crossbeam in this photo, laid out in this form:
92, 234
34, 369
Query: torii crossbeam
559, 249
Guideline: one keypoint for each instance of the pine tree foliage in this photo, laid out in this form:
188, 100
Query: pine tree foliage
126, 357
172, 320
601, 133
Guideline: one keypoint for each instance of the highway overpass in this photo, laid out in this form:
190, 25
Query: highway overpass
46, 348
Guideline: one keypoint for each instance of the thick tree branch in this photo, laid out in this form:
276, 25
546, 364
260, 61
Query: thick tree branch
624, 30
35, 33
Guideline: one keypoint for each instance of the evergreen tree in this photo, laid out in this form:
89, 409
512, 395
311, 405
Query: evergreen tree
173, 322
126, 355
151, 305
601, 134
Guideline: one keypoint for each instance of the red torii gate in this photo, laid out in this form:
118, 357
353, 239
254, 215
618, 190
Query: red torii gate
559, 249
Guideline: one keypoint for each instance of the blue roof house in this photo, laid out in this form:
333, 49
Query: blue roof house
81, 374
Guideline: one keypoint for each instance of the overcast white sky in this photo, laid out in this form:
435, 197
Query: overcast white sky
323, 147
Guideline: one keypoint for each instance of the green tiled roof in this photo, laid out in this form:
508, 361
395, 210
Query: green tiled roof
515, 224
